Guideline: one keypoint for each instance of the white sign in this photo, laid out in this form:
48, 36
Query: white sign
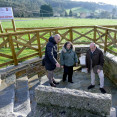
6, 13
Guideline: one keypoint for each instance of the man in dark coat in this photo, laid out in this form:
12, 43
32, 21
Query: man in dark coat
94, 63
51, 58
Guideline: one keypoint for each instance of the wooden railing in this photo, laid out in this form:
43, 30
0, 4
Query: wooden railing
34, 41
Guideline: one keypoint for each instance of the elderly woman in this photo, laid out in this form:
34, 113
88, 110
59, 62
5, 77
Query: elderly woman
68, 59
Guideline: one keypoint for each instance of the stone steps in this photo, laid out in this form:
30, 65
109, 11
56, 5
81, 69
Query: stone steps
33, 82
22, 97
7, 96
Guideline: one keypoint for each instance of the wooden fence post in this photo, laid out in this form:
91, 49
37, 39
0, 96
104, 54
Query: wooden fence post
71, 34
95, 28
50, 33
13, 50
14, 29
106, 37
39, 44
115, 35
1, 29
29, 38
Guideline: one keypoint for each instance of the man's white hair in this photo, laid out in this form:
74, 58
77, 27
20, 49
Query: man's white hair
57, 35
92, 44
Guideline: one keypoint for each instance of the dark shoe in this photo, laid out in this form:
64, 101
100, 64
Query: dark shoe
55, 82
102, 90
71, 81
91, 86
52, 85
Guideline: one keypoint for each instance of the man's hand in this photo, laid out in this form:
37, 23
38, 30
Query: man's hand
62, 66
98, 71
87, 69
57, 65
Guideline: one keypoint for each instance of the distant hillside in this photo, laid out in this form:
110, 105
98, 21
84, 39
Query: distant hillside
26, 8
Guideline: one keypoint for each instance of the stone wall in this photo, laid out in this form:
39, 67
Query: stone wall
110, 67
29, 68
98, 104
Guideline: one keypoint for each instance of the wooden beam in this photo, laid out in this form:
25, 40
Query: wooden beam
1, 29
71, 34
105, 44
14, 28
13, 50
39, 44
6, 56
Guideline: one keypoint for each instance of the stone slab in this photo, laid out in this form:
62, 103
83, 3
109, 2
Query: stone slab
95, 103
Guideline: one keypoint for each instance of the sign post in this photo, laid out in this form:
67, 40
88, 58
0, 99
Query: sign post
1, 30
6, 13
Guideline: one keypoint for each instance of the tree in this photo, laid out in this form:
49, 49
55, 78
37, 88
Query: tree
46, 11
70, 13
113, 12
66, 14
105, 14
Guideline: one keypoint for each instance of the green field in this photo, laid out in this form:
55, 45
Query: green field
51, 22
56, 22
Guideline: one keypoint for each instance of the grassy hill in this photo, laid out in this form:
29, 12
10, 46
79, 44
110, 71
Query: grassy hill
79, 9
26, 8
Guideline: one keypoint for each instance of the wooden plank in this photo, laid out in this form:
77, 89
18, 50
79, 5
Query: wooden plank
24, 44
29, 37
52, 29
6, 63
22, 39
32, 40
14, 28
13, 50
1, 29
64, 36
113, 40
6, 56
95, 29
39, 44
45, 39
42, 47
29, 56
41, 35
3, 43
105, 44
100, 36
71, 35
83, 35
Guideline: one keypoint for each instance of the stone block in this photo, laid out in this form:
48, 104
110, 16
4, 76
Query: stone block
71, 98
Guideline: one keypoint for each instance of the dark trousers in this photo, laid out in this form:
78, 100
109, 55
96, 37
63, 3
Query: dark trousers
68, 71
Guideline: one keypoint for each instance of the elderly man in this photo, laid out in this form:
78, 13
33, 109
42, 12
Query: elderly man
94, 62
51, 58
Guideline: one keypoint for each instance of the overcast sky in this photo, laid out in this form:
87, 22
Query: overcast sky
113, 2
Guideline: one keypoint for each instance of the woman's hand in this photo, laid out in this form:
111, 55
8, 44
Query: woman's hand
98, 71
76, 64
57, 65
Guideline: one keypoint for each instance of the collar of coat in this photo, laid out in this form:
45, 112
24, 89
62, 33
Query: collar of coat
64, 49
95, 52
51, 39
